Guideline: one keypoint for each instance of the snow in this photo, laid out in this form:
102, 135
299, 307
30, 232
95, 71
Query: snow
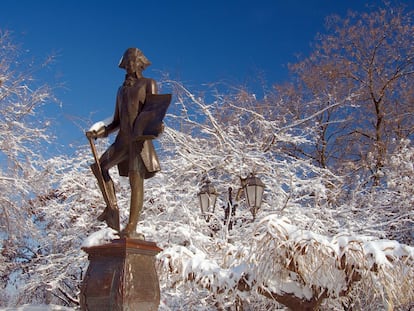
304, 254
385, 251
97, 125
100, 237
321, 261
291, 287
382, 251
38, 308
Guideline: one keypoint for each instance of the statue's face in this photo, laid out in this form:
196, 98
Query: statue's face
132, 63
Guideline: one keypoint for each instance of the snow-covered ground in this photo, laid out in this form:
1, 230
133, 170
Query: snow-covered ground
38, 308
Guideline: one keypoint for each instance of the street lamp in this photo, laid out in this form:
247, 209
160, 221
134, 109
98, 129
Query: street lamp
253, 188
207, 197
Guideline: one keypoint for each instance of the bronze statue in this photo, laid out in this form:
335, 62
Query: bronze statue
138, 118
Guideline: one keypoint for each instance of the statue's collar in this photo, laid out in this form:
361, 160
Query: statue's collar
130, 80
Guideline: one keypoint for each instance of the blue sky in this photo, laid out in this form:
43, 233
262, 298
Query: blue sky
195, 42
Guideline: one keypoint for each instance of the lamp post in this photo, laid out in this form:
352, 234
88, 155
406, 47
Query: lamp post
253, 188
229, 211
207, 197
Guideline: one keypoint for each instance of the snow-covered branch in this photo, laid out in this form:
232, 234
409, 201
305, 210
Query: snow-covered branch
299, 268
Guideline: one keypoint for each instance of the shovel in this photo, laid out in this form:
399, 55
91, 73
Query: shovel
111, 213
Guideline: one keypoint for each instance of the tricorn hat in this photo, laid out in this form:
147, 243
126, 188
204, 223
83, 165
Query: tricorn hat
137, 56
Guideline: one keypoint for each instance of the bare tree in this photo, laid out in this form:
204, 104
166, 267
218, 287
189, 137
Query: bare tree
365, 63
23, 133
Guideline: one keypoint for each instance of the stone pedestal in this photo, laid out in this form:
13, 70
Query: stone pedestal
121, 276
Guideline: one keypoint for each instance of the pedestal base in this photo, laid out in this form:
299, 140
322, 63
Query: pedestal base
121, 276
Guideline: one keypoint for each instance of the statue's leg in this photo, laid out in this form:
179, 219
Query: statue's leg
136, 180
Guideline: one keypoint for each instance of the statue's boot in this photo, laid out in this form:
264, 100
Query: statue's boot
111, 213
137, 201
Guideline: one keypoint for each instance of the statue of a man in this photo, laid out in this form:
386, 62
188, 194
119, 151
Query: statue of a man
133, 154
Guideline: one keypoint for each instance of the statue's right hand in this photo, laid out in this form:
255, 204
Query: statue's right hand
91, 134
97, 134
